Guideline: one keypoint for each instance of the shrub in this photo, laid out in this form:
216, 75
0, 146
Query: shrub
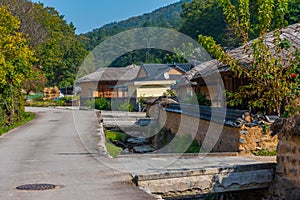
199, 99
98, 103
66, 99
264, 152
45, 103
126, 107
26, 117
194, 148
115, 136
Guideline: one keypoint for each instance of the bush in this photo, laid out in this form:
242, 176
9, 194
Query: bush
98, 103
45, 103
194, 148
115, 136
126, 107
264, 152
199, 99
26, 117
66, 99
101, 104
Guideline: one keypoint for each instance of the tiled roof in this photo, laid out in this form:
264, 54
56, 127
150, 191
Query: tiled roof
157, 71
112, 74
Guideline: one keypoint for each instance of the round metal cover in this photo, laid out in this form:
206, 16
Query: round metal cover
36, 187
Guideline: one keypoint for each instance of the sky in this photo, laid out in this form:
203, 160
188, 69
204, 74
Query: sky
87, 15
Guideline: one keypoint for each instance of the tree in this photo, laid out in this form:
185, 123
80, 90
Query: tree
35, 83
57, 49
206, 17
15, 66
271, 83
186, 53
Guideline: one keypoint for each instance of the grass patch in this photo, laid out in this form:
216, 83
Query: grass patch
45, 103
194, 148
115, 136
112, 136
113, 150
264, 152
27, 117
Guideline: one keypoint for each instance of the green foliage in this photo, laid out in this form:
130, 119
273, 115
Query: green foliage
35, 83
125, 107
170, 93
45, 103
194, 148
139, 56
206, 17
293, 15
198, 99
184, 53
115, 136
15, 66
113, 150
39, 96
180, 144
66, 98
98, 103
166, 17
26, 117
184, 144
264, 152
270, 82
57, 49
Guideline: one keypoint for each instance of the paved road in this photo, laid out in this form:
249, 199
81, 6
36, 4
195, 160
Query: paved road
56, 149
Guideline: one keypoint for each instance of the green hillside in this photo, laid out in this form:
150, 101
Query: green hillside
166, 17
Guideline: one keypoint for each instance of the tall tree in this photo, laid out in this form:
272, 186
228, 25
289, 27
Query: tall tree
206, 17
270, 76
15, 66
57, 48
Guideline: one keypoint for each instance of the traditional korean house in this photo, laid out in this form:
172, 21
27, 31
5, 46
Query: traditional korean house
155, 79
204, 74
107, 82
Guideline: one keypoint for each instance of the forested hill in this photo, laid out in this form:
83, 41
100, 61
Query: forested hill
166, 17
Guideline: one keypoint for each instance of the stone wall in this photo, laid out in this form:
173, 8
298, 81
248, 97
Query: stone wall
254, 139
287, 180
243, 140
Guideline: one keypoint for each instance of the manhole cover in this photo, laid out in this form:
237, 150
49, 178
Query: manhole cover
36, 187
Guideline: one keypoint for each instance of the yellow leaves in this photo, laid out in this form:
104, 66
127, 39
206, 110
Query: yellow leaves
15, 55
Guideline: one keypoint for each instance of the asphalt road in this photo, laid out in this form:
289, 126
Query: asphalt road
59, 147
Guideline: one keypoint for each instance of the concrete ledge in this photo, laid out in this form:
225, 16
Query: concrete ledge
207, 180
177, 155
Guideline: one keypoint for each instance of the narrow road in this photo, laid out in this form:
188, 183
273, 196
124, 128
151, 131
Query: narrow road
59, 147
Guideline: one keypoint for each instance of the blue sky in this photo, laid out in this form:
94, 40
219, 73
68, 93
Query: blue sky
90, 14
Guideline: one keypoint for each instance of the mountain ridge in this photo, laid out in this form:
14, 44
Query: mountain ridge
165, 17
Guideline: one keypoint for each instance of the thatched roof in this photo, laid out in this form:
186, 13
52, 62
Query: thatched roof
112, 74
291, 33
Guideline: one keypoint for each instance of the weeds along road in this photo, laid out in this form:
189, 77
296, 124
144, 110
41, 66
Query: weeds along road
50, 150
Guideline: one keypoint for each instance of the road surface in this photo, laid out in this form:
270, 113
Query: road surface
59, 147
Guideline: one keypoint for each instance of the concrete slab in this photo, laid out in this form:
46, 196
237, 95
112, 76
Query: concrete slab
169, 176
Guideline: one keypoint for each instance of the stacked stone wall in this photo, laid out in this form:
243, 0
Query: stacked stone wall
286, 185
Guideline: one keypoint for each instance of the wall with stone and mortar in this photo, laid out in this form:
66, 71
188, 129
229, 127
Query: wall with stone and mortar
243, 140
287, 181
